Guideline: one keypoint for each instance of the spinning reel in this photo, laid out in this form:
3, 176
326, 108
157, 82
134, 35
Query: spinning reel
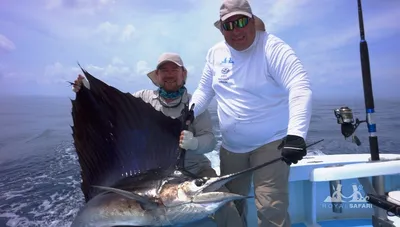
344, 116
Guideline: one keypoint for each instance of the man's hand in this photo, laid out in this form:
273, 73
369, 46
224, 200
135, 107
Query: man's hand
78, 83
293, 149
187, 141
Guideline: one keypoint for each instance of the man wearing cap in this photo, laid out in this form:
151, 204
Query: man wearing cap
170, 97
264, 108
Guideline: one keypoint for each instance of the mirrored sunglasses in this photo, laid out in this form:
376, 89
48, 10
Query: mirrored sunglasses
239, 23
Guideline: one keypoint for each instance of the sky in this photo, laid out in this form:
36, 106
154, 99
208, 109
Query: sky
42, 41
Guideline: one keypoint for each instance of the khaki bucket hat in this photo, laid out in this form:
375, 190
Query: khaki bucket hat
165, 57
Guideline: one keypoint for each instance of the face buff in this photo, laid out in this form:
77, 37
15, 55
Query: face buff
171, 95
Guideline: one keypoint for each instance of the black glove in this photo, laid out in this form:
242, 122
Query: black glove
293, 149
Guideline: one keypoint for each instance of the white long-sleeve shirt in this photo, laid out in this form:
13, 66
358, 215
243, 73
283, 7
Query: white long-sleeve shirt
263, 93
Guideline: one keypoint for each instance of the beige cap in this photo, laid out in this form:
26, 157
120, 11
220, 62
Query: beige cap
237, 7
259, 24
165, 57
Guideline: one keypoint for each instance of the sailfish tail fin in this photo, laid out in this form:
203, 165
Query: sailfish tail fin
118, 135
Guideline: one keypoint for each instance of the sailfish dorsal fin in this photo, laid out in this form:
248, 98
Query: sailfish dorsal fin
118, 135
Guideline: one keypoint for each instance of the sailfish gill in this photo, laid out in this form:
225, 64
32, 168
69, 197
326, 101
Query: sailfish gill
128, 154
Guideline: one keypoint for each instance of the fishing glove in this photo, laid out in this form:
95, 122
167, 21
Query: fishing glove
293, 149
188, 141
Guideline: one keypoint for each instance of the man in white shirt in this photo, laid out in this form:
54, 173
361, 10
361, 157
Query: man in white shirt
264, 108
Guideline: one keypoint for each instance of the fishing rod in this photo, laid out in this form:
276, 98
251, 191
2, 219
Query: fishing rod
187, 118
280, 158
201, 180
344, 115
367, 85
378, 182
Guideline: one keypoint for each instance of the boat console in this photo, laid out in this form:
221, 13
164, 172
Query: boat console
363, 172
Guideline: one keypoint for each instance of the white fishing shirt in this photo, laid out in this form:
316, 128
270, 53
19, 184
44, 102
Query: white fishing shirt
263, 93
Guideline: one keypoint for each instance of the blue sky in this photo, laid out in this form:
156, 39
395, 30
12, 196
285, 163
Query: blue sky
41, 41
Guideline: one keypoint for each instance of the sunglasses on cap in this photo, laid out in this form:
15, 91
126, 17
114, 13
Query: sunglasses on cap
239, 23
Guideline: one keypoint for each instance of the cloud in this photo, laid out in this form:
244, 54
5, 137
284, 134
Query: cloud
110, 33
116, 70
117, 61
142, 68
7, 74
116, 73
128, 33
328, 45
378, 26
324, 34
89, 7
6, 44
54, 73
283, 14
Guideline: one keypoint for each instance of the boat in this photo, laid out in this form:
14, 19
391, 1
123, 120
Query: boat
346, 190
317, 182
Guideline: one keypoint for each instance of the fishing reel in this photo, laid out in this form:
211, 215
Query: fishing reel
344, 116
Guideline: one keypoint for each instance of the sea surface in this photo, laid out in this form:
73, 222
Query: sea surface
39, 171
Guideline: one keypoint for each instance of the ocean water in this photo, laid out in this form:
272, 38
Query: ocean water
39, 171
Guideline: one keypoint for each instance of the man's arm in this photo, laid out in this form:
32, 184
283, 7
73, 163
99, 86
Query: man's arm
204, 93
286, 69
144, 94
138, 94
203, 131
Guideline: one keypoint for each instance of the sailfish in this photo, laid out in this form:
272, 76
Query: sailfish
130, 167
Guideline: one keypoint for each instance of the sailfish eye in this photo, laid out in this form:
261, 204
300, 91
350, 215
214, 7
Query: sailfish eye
201, 181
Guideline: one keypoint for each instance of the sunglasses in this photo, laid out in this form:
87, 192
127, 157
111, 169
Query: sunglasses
239, 23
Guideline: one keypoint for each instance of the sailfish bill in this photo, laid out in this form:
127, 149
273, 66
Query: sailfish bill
128, 153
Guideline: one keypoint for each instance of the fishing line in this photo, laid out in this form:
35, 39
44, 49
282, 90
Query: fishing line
272, 161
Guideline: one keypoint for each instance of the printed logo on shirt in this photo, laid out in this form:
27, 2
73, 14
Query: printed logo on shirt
225, 71
223, 68
223, 77
227, 61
